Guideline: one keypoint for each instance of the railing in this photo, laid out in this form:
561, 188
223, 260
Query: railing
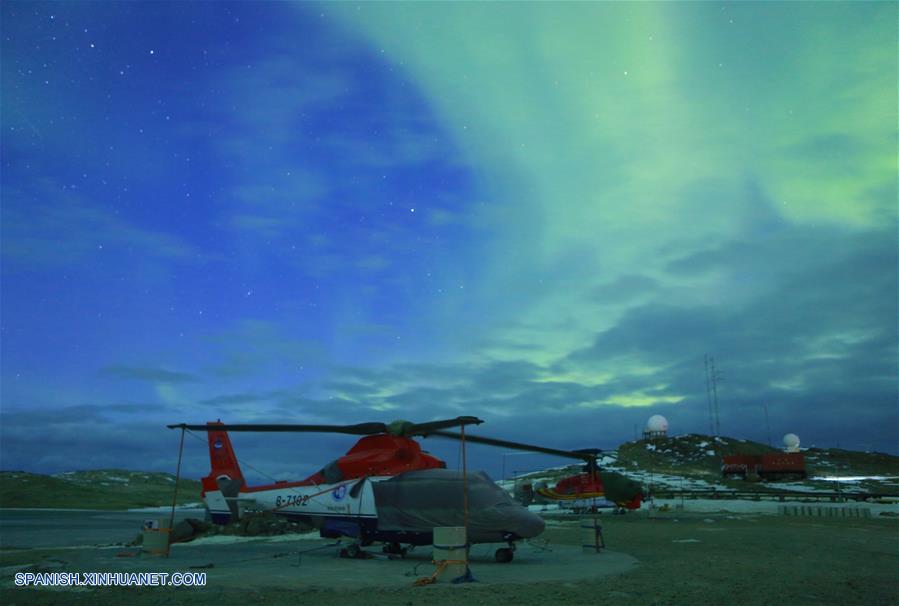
773, 495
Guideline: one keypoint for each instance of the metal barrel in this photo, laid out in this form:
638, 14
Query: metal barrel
155, 537
450, 545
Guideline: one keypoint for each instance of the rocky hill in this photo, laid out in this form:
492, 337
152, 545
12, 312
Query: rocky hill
688, 462
697, 459
98, 489
693, 462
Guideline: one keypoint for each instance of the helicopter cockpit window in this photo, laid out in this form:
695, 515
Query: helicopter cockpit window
332, 473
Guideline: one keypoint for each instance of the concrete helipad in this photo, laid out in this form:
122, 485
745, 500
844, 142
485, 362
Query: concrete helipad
316, 563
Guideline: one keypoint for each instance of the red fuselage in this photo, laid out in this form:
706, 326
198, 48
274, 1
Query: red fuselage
590, 486
378, 455
581, 486
381, 455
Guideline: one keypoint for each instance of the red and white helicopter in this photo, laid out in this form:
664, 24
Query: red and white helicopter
385, 488
584, 488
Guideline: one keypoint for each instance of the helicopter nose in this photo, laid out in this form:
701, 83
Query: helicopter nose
527, 524
510, 519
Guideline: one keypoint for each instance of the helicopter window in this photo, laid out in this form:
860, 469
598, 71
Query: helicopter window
332, 473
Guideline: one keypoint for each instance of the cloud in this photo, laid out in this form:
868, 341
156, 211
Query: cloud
598, 148
235, 398
252, 345
60, 228
817, 328
804, 318
625, 288
74, 440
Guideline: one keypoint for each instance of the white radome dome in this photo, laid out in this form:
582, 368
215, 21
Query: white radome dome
657, 423
791, 441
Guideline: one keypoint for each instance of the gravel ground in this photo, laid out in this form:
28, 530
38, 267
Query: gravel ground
684, 558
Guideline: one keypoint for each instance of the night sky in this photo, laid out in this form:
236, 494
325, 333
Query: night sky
544, 215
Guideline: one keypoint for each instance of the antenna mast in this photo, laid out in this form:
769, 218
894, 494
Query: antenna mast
714, 377
708, 393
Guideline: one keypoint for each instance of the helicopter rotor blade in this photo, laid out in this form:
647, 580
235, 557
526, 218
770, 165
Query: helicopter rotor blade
593, 452
360, 429
397, 428
587, 454
425, 429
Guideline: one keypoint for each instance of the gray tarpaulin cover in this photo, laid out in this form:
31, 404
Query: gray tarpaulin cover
422, 500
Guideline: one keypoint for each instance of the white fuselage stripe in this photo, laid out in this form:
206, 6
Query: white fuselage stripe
331, 500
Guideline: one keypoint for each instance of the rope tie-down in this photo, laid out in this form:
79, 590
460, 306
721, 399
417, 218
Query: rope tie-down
441, 567
442, 564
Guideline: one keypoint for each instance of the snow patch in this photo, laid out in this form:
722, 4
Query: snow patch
763, 507
853, 478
